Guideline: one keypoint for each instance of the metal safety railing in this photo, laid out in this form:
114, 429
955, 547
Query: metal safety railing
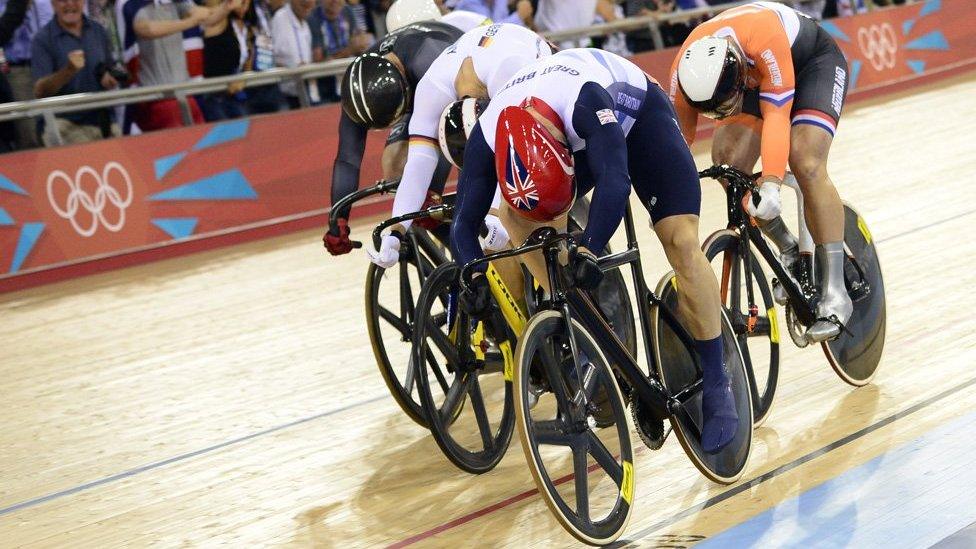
48, 107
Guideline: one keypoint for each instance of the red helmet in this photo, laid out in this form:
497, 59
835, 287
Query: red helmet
534, 169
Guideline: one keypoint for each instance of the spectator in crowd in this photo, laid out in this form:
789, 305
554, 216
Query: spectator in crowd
335, 34
377, 13
17, 51
518, 12
73, 54
672, 34
843, 8
11, 19
227, 50
103, 13
293, 45
266, 98
360, 14
558, 15
159, 26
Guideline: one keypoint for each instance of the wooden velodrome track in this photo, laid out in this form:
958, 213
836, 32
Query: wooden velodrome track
231, 397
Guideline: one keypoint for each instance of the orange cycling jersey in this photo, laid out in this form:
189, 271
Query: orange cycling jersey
765, 31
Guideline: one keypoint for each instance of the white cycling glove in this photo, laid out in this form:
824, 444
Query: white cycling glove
769, 203
389, 253
497, 238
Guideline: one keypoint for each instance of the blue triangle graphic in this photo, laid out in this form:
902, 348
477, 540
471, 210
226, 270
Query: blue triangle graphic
918, 67
222, 133
931, 6
229, 185
855, 72
177, 227
29, 234
5, 218
834, 31
906, 27
8, 185
165, 164
934, 40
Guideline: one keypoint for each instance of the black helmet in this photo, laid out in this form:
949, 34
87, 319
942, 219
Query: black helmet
374, 91
457, 121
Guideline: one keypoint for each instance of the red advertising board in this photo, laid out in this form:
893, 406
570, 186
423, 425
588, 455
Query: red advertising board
147, 196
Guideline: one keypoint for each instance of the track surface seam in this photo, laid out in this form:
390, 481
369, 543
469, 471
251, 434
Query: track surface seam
182, 457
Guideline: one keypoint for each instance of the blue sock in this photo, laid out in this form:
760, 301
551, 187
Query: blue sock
719, 417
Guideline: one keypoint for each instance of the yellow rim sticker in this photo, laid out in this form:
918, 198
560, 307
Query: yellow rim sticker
506, 348
674, 281
773, 326
627, 486
864, 229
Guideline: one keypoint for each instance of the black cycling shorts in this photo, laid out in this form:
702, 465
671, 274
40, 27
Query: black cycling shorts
662, 170
821, 87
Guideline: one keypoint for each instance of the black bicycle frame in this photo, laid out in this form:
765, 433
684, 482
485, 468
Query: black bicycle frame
738, 184
573, 303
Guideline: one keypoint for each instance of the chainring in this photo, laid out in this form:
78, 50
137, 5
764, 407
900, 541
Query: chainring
649, 428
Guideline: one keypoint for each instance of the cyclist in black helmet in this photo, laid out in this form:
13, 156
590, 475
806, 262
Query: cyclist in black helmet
377, 92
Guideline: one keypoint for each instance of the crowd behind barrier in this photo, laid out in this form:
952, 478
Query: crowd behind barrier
70, 211
190, 61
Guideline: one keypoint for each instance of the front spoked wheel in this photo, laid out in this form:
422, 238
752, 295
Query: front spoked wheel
756, 329
464, 362
856, 352
390, 310
584, 473
677, 371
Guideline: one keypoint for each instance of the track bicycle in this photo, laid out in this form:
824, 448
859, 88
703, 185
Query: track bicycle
390, 306
570, 347
456, 360
856, 353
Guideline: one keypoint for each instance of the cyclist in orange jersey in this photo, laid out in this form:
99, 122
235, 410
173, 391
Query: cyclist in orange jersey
776, 81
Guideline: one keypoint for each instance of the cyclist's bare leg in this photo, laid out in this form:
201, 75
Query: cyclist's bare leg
519, 229
394, 159
737, 144
823, 210
824, 214
700, 310
698, 297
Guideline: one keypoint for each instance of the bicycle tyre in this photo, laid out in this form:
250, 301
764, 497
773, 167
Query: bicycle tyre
676, 369
459, 376
856, 354
726, 245
534, 340
402, 388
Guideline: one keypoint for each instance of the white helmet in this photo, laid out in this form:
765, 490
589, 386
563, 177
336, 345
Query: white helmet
405, 12
712, 76
457, 123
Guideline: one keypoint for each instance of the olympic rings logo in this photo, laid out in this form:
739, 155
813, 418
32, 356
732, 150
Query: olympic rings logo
879, 45
94, 202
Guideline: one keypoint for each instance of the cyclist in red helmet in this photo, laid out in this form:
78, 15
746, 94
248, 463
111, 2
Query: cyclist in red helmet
587, 119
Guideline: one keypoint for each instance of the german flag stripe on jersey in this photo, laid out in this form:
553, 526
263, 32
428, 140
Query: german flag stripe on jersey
424, 140
485, 41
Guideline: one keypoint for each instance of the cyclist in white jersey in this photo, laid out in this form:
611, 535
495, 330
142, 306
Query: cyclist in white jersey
477, 65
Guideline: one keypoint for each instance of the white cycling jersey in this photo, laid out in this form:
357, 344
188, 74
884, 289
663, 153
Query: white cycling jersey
557, 81
497, 51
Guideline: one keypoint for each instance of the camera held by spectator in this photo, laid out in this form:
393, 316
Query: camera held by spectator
113, 69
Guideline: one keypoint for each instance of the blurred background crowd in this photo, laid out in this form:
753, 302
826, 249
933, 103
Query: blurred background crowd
59, 47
